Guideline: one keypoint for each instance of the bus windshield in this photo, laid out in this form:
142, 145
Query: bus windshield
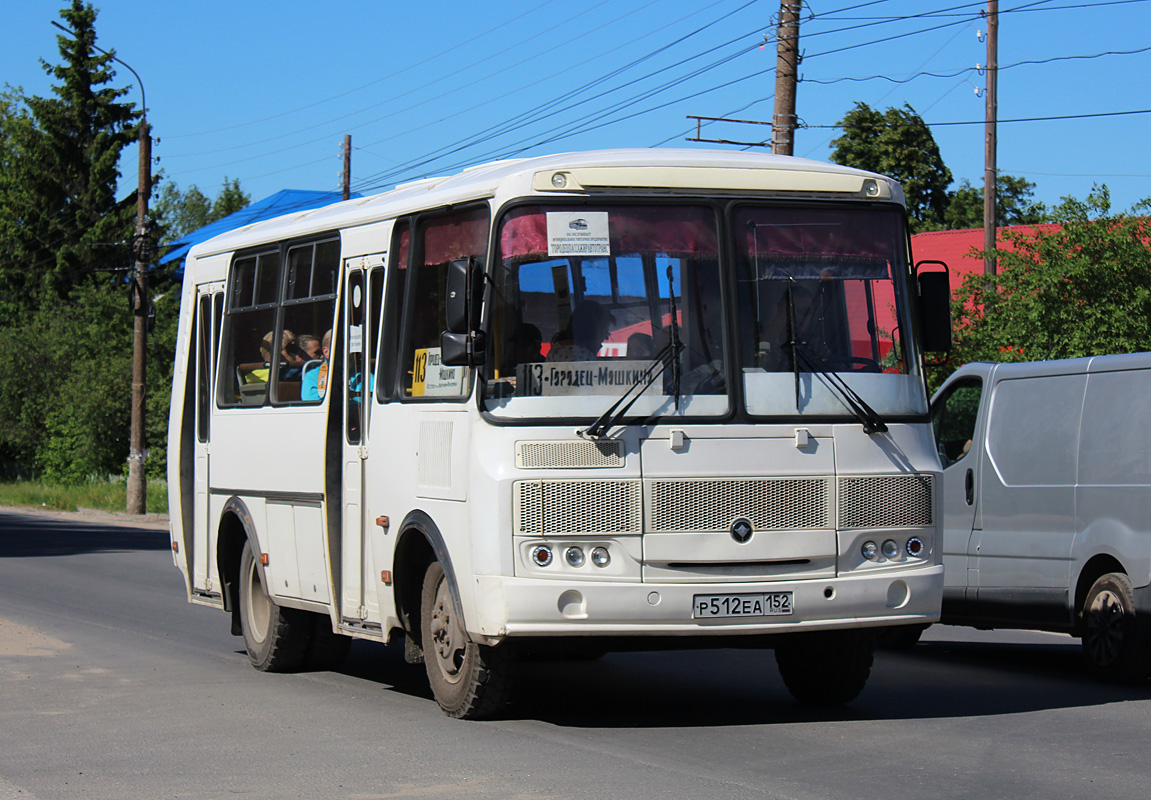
587, 298
591, 302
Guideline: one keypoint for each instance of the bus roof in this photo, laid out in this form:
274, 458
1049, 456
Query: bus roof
638, 171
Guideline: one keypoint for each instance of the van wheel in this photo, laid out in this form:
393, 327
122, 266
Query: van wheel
276, 638
826, 669
1117, 647
468, 680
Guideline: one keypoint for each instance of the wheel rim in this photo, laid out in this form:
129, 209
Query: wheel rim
259, 610
1106, 627
449, 642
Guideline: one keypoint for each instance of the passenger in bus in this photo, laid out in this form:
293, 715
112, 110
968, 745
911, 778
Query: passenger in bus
526, 343
310, 345
589, 325
314, 383
640, 346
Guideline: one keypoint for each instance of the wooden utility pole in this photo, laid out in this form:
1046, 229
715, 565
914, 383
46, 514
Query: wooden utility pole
786, 77
989, 168
346, 177
137, 487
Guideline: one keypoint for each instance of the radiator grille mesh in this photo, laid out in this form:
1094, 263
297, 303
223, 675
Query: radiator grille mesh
712, 505
569, 455
608, 506
885, 501
558, 507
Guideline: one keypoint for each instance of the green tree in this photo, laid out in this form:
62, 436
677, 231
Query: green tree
58, 207
1013, 204
179, 213
1083, 289
230, 200
898, 143
63, 299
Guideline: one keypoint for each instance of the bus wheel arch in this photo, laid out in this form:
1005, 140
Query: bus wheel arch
235, 528
420, 544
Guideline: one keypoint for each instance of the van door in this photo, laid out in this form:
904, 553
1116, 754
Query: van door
955, 415
1027, 480
209, 310
362, 302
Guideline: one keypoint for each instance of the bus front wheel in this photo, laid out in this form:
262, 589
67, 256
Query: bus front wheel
276, 638
827, 668
468, 680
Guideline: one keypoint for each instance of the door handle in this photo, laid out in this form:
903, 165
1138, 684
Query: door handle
969, 486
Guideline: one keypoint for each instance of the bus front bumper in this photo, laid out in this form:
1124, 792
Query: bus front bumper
522, 607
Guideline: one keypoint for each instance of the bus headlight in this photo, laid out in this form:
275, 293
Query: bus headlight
600, 557
574, 556
870, 550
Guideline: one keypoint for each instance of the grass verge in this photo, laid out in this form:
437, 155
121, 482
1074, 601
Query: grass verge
102, 495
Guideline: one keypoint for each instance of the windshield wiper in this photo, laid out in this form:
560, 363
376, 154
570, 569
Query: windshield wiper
673, 325
606, 420
870, 419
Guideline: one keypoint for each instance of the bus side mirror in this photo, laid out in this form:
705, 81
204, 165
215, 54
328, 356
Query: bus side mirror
934, 308
462, 344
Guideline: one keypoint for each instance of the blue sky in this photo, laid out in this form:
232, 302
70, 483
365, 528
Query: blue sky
264, 92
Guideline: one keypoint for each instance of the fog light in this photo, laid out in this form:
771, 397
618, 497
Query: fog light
914, 547
600, 557
574, 556
890, 549
870, 551
542, 555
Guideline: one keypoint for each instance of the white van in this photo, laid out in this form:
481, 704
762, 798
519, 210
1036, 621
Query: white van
1047, 502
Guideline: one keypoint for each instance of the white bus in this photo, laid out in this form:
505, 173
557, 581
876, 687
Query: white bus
634, 399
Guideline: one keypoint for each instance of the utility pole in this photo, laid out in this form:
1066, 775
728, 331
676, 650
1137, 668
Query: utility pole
989, 168
137, 488
346, 177
786, 76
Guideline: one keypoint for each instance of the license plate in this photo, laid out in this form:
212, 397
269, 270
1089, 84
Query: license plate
764, 604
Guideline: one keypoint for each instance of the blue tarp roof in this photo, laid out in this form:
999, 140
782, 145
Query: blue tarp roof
283, 202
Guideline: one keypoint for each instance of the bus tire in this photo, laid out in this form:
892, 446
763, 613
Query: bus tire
827, 668
276, 638
468, 680
1117, 646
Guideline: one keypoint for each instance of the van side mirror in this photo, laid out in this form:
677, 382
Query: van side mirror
934, 307
462, 344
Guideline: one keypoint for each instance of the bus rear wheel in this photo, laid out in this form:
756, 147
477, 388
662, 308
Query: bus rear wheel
276, 638
827, 668
1117, 646
468, 680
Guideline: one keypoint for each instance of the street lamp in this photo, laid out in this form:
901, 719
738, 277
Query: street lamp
137, 486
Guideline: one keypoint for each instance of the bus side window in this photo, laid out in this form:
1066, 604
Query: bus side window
309, 304
250, 319
439, 241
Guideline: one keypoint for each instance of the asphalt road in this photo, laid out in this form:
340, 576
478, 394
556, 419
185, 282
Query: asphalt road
112, 686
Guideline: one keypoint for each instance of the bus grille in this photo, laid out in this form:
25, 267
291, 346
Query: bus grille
542, 508
712, 505
558, 507
579, 454
886, 501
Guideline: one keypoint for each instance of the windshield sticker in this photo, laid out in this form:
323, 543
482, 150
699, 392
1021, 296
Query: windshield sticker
578, 377
578, 233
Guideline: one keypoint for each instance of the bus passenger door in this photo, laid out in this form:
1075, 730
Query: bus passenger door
209, 310
362, 303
